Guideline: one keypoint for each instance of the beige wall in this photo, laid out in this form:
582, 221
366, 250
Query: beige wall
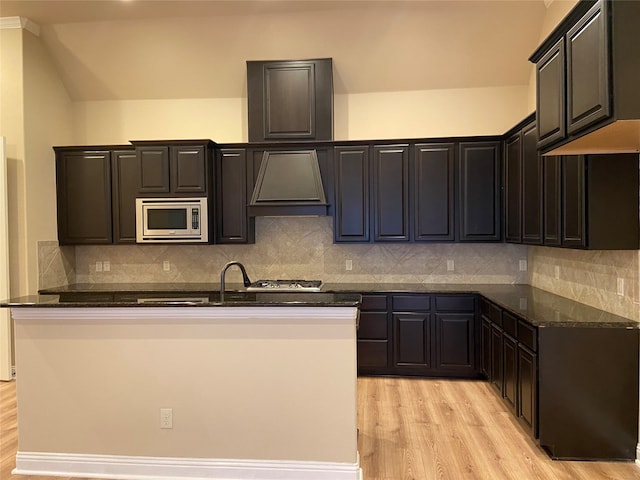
48, 122
35, 113
12, 127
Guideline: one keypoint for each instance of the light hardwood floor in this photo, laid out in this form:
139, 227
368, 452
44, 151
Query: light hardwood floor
416, 429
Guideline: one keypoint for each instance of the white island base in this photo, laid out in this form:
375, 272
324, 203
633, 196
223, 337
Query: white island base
257, 393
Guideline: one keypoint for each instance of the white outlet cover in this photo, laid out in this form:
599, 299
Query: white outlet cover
450, 266
166, 266
98, 266
523, 265
166, 418
106, 266
620, 286
348, 265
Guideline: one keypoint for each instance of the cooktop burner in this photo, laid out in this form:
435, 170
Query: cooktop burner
285, 286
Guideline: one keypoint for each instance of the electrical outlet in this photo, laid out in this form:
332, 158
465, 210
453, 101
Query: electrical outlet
98, 266
166, 418
348, 265
13, 371
557, 272
450, 266
523, 265
166, 266
106, 266
620, 284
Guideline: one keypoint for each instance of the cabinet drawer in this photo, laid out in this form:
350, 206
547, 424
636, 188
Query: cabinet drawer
374, 302
411, 302
373, 326
455, 303
372, 353
491, 311
509, 324
528, 335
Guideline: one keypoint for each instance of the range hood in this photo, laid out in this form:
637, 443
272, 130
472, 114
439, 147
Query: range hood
622, 136
288, 183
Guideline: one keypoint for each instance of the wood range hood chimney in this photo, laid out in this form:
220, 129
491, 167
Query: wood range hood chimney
289, 101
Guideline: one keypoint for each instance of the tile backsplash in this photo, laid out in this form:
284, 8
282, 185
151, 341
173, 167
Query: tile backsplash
589, 277
302, 247
293, 247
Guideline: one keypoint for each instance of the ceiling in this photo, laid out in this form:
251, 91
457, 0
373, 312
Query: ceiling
146, 49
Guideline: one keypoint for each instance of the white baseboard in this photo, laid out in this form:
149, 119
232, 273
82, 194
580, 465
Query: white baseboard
638, 454
162, 468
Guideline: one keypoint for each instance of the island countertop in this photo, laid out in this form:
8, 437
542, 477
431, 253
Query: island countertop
173, 297
538, 307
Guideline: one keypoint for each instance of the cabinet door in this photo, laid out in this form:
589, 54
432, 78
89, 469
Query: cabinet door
189, 170
412, 335
153, 168
527, 393
510, 371
552, 212
433, 192
232, 222
513, 189
588, 70
391, 193
485, 352
125, 184
479, 207
496, 358
84, 197
550, 99
531, 188
290, 100
351, 219
455, 342
573, 214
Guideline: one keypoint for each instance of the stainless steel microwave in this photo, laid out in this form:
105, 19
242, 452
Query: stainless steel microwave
163, 220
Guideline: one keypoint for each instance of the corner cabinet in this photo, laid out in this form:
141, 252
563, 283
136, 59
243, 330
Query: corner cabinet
96, 189
523, 186
426, 335
587, 73
479, 206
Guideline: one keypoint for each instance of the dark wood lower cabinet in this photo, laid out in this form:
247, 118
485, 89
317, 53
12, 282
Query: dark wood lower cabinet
528, 389
588, 392
412, 342
496, 358
418, 334
485, 350
510, 370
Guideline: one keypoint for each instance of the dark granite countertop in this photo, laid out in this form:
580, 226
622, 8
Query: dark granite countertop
538, 307
176, 297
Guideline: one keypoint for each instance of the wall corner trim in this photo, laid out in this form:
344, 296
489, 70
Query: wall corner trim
20, 22
157, 468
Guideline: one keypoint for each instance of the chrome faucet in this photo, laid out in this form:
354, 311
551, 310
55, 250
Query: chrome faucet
245, 277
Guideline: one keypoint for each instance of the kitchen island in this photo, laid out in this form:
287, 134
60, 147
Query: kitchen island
124, 385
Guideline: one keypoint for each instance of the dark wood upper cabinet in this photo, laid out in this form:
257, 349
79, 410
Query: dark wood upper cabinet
433, 192
125, 185
169, 168
552, 217
351, 173
233, 224
83, 181
154, 169
188, 169
532, 177
513, 189
600, 206
479, 207
587, 78
290, 100
588, 70
550, 95
391, 193
573, 202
